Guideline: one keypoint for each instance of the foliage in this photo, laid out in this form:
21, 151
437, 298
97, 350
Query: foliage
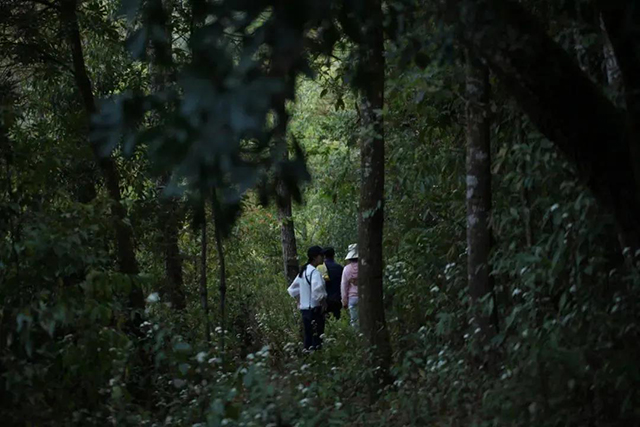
566, 350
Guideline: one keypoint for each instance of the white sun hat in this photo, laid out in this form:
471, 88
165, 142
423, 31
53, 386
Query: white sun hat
352, 251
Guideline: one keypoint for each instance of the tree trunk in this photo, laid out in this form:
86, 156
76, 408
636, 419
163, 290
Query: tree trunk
371, 212
287, 233
221, 267
204, 293
124, 235
162, 76
559, 99
612, 71
170, 225
621, 19
282, 63
478, 192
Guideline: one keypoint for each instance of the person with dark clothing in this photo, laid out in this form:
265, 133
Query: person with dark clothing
332, 278
308, 289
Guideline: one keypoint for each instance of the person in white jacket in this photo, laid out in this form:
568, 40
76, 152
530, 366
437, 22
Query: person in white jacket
309, 290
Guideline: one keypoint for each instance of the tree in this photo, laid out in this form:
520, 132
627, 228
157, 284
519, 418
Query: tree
478, 191
559, 99
124, 235
287, 232
282, 67
218, 223
204, 292
163, 75
371, 212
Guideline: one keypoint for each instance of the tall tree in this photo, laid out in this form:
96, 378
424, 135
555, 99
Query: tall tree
204, 293
287, 232
621, 18
371, 212
222, 270
163, 76
282, 68
170, 223
478, 191
559, 99
612, 71
124, 235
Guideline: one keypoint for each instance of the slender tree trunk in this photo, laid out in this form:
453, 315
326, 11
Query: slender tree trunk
204, 293
221, 267
162, 76
478, 192
371, 212
281, 68
612, 71
559, 99
124, 235
170, 225
287, 233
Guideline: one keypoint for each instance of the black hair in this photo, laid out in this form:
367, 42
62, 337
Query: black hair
312, 252
329, 252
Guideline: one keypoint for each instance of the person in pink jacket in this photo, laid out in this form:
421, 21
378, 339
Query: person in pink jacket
349, 284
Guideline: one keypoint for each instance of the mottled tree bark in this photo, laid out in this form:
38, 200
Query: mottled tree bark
371, 212
559, 99
478, 192
612, 71
124, 235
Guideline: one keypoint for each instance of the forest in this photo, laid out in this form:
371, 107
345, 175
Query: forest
168, 168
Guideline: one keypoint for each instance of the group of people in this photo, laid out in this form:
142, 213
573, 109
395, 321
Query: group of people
323, 288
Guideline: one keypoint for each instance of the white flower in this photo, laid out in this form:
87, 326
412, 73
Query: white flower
153, 297
516, 291
200, 356
554, 207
